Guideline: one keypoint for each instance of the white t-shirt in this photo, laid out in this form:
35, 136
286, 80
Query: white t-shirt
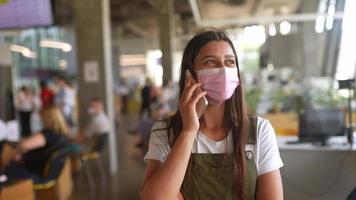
265, 151
24, 102
66, 98
98, 124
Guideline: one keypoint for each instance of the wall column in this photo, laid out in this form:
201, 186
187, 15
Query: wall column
166, 35
94, 55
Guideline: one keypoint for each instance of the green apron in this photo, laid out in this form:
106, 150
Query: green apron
211, 176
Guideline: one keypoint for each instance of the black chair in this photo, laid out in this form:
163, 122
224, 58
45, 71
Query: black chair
95, 155
52, 169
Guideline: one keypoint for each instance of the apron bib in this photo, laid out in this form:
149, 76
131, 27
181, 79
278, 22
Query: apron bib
211, 176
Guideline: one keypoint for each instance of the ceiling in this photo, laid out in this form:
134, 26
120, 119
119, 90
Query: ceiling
219, 9
138, 18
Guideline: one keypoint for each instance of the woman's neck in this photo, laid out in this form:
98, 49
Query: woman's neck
213, 118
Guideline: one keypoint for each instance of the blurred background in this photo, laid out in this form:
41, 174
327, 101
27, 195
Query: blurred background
113, 65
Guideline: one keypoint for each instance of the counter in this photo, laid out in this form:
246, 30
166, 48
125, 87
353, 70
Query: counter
313, 172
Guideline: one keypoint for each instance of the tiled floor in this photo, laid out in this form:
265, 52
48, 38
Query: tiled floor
126, 183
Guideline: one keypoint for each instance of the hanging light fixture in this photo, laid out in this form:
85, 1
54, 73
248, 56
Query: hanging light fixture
26, 52
65, 47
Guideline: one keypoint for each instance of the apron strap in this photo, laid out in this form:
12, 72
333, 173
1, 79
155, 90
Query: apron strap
252, 136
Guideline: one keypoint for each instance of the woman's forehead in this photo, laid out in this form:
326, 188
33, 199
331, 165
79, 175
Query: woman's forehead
216, 48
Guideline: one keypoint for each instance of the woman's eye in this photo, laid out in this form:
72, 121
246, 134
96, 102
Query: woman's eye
209, 62
230, 62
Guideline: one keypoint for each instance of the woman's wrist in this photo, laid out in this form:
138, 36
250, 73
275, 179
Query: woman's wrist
189, 133
21, 148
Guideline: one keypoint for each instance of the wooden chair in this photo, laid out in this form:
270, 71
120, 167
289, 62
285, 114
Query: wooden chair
57, 184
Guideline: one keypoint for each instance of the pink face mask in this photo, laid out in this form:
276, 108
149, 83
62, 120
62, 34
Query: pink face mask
220, 83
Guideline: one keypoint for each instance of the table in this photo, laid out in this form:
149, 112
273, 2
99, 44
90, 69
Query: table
317, 172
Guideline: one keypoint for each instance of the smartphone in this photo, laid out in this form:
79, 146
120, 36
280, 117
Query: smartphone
202, 103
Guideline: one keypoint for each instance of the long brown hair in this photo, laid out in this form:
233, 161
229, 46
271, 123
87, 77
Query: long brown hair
235, 113
52, 118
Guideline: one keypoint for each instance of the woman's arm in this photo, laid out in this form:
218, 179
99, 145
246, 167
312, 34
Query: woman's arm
269, 186
35, 141
163, 181
153, 165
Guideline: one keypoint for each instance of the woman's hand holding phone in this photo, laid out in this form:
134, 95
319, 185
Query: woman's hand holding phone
188, 103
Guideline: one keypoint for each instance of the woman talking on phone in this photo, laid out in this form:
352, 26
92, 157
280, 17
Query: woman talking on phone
211, 148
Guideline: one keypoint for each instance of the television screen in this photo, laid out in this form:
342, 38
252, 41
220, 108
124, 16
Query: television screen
25, 13
321, 123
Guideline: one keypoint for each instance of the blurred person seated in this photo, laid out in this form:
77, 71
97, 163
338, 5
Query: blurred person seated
97, 129
145, 124
34, 152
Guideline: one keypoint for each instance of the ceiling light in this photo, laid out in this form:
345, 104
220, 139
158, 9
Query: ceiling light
320, 19
56, 44
254, 35
285, 27
319, 24
272, 30
330, 18
63, 64
26, 52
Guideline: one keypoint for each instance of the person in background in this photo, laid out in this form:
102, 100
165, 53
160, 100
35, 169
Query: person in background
35, 151
35, 120
144, 125
169, 96
98, 127
155, 94
121, 92
65, 100
25, 106
47, 95
146, 97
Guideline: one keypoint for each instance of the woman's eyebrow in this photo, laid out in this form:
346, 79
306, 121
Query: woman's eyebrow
229, 56
212, 56
208, 56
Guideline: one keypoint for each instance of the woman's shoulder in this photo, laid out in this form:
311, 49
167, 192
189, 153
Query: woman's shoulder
264, 129
158, 134
267, 153
160, 125
261, 121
